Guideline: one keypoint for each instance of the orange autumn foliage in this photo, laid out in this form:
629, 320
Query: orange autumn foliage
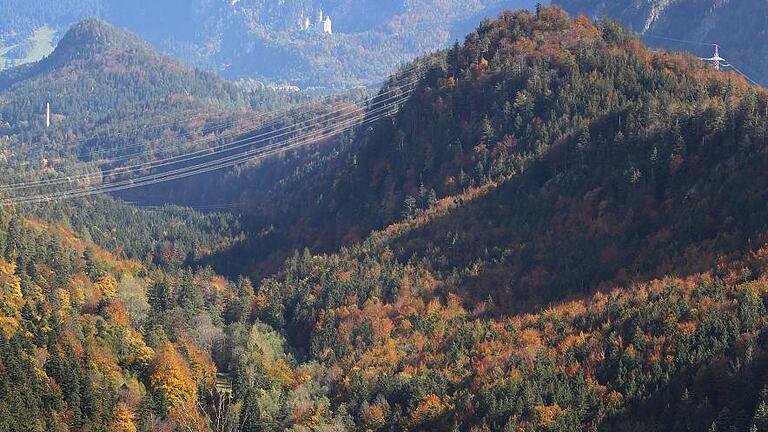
201, 365
171, 377
124, 420
429, 409
546, 415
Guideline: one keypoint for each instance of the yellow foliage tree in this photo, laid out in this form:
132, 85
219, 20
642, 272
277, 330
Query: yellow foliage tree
138, 352
11, 299
65, 302
107, 286
429, 409
279, 372
171, 378
124, 420
547, 415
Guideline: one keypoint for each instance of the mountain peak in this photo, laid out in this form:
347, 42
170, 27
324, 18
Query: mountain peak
93, 36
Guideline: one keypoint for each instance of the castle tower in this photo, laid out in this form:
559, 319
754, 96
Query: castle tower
327, 25
319, 22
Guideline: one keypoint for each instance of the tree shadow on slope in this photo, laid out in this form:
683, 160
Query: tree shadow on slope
727, 394
556, 231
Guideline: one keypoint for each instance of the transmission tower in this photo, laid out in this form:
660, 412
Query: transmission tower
715, 60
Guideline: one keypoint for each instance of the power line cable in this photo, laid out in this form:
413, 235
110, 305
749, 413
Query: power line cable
205, 152
197, 154
208, 167
674, 39
182, 171
729, 64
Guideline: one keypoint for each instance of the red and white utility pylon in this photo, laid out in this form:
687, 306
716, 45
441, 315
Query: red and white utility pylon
716, 60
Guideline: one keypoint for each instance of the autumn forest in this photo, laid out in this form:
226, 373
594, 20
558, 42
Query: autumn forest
546, 226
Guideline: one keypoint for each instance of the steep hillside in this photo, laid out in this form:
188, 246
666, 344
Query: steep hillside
561, 230
589, 160
265, 40
113, 97
116, 103
613, 162
595, 144
93, 342
693, 25
586, 158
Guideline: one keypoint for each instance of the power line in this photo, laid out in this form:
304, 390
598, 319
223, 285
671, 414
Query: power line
715, 58
372, 110
215, 164
224, 162
206, 152
195, 170
742, 74
271, 134
183, 169
674, 39
718, 62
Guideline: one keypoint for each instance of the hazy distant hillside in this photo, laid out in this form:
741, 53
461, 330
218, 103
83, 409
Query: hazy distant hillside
740, 27
112, 96
262, 39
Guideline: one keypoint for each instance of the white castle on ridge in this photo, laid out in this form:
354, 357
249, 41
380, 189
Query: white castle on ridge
323, 23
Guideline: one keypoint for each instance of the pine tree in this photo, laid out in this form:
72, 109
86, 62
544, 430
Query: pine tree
760, 419
409, 206
432, 199
487, 132
90, 265
161, 295
423, 194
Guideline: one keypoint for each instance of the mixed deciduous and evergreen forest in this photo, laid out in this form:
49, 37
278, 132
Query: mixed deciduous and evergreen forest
558, 230
692, 25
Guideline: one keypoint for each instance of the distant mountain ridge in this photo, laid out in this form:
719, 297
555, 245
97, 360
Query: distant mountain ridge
263, 39
90, 40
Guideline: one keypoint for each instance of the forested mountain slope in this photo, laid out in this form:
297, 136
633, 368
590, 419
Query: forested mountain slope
560, 231
117, 102
118, 108
693, 25
650, 162
93, 342
108, 89
611, 163
264, 39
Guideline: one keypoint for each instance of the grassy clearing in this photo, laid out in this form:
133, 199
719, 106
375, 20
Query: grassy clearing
40, 43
